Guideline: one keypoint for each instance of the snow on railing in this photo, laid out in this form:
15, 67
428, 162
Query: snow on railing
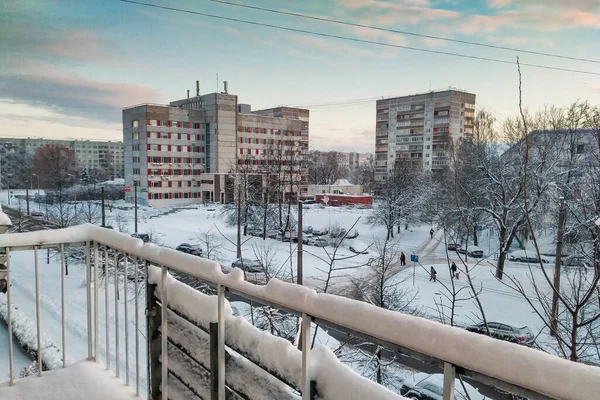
524, 371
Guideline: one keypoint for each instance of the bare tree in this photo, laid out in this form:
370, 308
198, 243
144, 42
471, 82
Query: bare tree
212, 243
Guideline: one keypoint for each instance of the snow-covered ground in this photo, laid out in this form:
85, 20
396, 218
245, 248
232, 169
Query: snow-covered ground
21, 360
172, 227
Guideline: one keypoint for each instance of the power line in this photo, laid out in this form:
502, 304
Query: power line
378, 28
357, 40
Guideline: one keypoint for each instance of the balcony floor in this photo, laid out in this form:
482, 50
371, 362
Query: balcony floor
82, 380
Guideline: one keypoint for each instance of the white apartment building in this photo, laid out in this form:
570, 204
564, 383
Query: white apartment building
418, 128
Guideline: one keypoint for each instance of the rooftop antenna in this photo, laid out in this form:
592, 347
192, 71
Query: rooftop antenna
225, 87
197, 88
188, 93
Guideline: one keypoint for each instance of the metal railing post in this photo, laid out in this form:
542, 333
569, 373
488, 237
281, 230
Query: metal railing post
116, 272
88, 279
96, 315
37, 311
126, 318
305, 332
214, 360
137, 330
9, 322
106, 308
62, 303
221, 340
164, 330
449, 380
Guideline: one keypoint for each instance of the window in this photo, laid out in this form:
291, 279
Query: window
135, 123
153, 122
136, 171
164, 135
136, 135
580, 149
153, 147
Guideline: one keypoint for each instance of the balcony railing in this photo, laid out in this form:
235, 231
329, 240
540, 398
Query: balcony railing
194, 319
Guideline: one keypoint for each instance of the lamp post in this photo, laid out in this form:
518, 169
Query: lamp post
5, 223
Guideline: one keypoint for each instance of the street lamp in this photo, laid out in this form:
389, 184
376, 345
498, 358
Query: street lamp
5, 223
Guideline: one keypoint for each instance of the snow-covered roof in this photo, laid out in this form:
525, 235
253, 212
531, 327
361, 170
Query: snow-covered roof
518, 365
342, 182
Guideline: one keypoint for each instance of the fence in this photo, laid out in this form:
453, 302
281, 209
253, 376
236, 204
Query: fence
196, 339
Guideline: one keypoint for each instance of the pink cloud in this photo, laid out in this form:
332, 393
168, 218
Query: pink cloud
499, 3
81, 45
388, 13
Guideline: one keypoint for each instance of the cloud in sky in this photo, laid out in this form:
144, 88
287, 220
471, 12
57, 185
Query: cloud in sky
74, 96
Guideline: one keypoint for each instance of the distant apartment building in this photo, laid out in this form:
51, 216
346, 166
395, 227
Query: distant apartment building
357, 160
418, 128
191, 150
90, 154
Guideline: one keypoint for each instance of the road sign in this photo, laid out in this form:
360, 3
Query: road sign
128, 188
12, 194
414, 258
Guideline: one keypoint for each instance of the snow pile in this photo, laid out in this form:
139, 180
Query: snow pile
4, 219
25, 332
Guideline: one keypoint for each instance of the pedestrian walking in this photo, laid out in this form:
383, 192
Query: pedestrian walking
454, 268
431, 232
433, 273
402, 259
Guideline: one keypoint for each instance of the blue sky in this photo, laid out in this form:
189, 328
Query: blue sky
67, 67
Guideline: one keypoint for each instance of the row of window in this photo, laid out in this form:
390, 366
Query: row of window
176, 149
271, 131
178, 124
169, 135
269, 162
161, 184
185, 195
170, 160
271, 152
176, 172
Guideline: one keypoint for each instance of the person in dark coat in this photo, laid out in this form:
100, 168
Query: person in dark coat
453, 268
431, 232
433, 276
402, 259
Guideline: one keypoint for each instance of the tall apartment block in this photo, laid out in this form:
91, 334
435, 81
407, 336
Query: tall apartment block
190, 150
90, 154
418, 128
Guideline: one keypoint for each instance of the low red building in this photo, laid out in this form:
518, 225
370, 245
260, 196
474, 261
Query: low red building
336, 200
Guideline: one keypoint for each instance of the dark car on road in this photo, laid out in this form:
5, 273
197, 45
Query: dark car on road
193, 249
505, 332
144, 236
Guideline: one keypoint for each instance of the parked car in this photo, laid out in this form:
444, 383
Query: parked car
319, 242
193, 249
254, 231
36, 214
308, 230
471, 251
144, 236
453, 246
320, 232
527, 257
423, 386
577, 261
337, 233
352, 235
248, 265
506, 332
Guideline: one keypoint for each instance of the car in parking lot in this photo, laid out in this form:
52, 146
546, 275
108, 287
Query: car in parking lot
453, 246
193, 249
36, 214
320, 232
248, 265
423, 386
144, 236
471, 251
318, 242
527, 256
577, 261
505, 332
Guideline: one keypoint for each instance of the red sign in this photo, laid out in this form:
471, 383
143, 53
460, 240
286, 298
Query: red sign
128, 188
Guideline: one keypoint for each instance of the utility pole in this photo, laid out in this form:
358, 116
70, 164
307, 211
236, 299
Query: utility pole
239, 226
557, 264
300, 272
135, 200
27, 196
103, 210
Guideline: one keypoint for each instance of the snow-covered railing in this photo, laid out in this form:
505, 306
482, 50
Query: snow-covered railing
513, 368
